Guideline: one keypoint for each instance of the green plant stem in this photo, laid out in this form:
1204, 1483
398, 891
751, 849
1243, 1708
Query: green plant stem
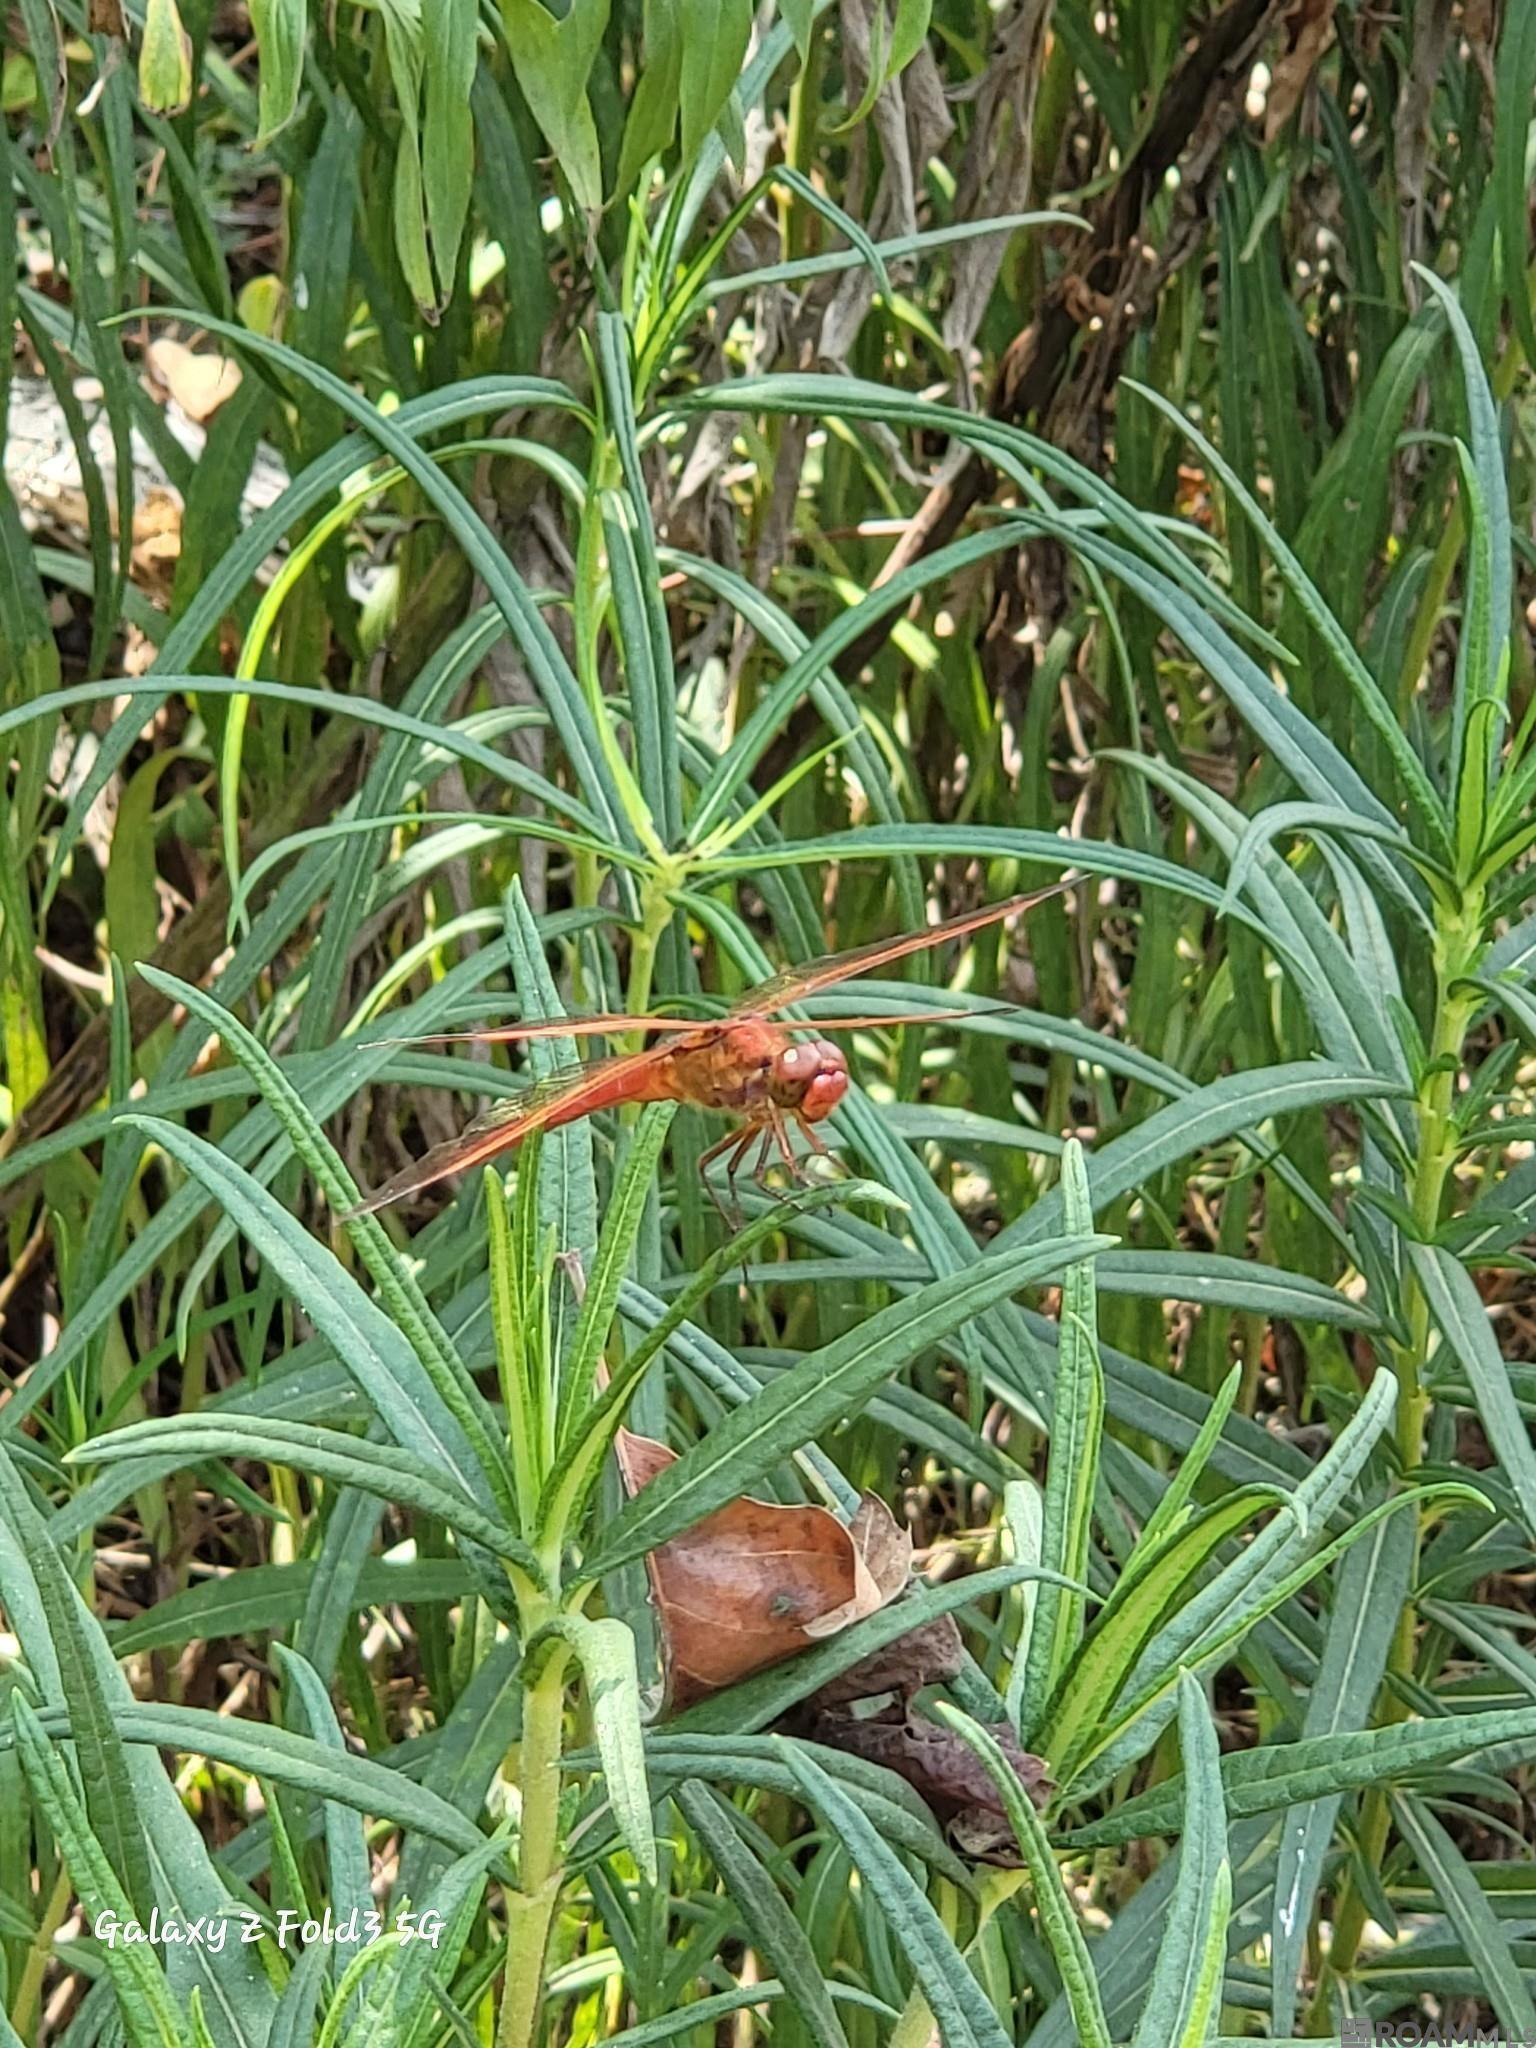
531, 1908
656, 913
1457, 943
30, 1990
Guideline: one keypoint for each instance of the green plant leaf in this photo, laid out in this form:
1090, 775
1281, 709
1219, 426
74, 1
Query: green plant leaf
110, 1811
144, 1998
1277, 1774
1220, 1110
360, 1783
653, 109
714, 41
773, 1927
965, 2018
1370, 1586
389, 1471
280, 27
594, 1430
1462, 1316
1515, 83
615, 1251
757, 1762
449, 31
263, 1597
399, 1291
1184, 2002
1058, 1918
606, 1651
1072, 1477
553, 61
348, 1868
1487, 1945
1163, 1570
826, 1386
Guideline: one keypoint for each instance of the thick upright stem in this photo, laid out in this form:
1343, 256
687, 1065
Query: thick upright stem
1456, 948
531, 1908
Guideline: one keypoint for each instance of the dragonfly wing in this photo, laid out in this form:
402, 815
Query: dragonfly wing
797, 982
899, 1017
607, 1026
560, 1097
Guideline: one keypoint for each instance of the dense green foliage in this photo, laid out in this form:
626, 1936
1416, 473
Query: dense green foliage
743, 478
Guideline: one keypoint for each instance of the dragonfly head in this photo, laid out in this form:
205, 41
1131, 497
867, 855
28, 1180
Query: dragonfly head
810, 1077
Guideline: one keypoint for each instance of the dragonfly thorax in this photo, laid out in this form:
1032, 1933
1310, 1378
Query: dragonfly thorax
811, 1077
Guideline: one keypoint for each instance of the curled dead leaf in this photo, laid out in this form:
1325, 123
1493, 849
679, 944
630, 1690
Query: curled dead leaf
755, 1582
925, 1655
1310, 27
944, 1771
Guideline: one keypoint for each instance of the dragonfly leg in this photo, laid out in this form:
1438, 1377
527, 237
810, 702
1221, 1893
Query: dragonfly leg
777, 1133
736, 1143
812, 1136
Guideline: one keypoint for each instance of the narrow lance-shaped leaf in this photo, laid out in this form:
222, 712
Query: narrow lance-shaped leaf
1077, 1427
279, 27
1058, 1918
1462, 1316
1024, 1517
1485, 1942
144, 1997
615, 1252
1184, 2002
387, 1470
958, 2003
594, 1430
449, 29
399, 1290
567, 1188
773, 1927
606, 1652
1170, 1572
1370, 1587
553, 60
110, 1804
346, 1844
366, 1342
826, 1386
359, 1782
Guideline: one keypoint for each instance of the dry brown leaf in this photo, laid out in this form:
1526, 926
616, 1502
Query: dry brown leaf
945, 1772
200, 384
1311, 31
755, 1582
882, 1552
925, 1655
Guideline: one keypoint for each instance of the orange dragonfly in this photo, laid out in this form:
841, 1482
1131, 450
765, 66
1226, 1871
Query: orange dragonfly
743, 1063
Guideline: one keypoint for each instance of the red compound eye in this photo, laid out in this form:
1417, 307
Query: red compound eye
824, 1094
